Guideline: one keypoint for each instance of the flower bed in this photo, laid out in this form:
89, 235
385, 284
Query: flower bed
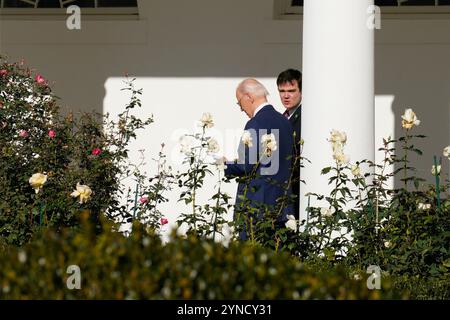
55, 169
112, 266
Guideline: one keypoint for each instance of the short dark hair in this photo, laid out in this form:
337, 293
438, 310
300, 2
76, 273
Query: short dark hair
290, 75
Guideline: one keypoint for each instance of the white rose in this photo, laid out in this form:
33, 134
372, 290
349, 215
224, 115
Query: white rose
424, 206
247, 139
341, 158
206, 120
291, 223
337, 147
338, 136
327, 212
409, 119
446, 152
269, 144
186, 145
435, 171
267, 138
220, 162
213, 146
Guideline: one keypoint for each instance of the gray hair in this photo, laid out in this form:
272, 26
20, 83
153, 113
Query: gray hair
254, 87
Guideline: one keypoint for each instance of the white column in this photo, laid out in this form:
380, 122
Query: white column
338, 86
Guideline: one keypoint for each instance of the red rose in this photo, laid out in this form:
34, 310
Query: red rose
40, 80
96, 151
52, 134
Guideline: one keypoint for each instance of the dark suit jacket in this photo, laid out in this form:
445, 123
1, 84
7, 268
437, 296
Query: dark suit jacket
271, 178
296, 123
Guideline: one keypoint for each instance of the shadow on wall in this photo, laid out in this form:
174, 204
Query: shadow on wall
419, 78
198, 38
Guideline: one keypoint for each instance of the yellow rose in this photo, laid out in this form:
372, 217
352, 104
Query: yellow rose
37, 180
82, 191
356, 171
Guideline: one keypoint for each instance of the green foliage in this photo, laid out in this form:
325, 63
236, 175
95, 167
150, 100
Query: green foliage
68, 150
199, 149
141, 267
403, 232
418, 239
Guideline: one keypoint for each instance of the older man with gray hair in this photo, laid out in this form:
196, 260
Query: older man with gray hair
263, 168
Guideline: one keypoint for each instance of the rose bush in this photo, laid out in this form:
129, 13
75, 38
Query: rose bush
404, 231
45, 156
141, 267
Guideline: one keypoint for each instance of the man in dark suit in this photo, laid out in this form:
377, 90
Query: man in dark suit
264, 164
289, 84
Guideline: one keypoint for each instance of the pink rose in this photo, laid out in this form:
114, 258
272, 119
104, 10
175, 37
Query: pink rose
40, 80
52, 134
3, 72
23, 133
96, 151
143, 200
164, 221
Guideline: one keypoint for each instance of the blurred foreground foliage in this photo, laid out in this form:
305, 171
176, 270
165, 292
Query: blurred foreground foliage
142, 267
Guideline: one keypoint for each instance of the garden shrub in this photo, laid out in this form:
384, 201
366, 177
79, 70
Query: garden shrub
403, 231
54, 166
142, 267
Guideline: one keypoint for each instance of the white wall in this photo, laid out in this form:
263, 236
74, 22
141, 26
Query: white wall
188, 57
413, 67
